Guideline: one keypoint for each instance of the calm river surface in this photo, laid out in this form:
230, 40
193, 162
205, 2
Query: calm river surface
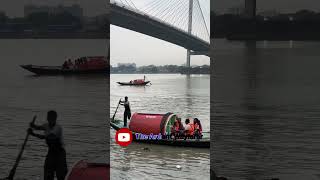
266, 110
185, 96
80, 102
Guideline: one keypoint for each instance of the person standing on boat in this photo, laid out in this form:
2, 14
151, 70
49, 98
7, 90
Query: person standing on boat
127, 110
55, 162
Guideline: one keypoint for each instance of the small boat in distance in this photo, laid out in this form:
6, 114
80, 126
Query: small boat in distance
83, 65
136, 82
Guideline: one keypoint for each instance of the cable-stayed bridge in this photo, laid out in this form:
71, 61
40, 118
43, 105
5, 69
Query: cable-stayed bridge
181, 22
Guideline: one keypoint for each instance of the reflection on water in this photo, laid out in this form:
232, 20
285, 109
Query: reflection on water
79, 101
183, 95
266, 109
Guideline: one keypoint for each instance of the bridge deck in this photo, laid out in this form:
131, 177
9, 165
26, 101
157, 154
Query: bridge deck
142, 23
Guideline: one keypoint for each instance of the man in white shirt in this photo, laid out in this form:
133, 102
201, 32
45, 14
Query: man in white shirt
55, 162
127, 110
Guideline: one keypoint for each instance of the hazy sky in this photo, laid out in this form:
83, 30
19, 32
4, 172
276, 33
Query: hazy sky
130, 46
279, 5
90, 7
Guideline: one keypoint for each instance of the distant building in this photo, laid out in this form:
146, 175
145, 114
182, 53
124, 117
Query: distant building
74, 10
250, 8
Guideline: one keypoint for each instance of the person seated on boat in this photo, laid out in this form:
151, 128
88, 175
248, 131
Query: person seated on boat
65, 65
197, 128
181, 128
76, 62
175, 129
70, 64
189, 128
85, 61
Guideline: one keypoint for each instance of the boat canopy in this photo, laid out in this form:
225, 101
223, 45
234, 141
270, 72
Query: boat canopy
152, 123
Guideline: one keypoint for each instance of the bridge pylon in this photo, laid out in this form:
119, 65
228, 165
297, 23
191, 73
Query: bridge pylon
188, 64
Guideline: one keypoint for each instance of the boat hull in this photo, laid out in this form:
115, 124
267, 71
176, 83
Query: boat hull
83, 170
57, 70
133, 84
196, 143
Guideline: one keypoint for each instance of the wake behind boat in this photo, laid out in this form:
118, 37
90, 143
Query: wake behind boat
83, 65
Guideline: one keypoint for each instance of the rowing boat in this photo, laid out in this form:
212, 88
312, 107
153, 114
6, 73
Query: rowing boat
87, 65
58, 70
133, 83
197, 143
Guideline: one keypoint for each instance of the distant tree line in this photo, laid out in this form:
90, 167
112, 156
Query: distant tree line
302, 25
166, 69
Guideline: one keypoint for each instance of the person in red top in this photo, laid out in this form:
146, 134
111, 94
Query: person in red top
175, 129
189, 128
70, 64
197, 128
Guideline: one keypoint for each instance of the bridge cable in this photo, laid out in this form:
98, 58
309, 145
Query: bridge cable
173, 15
182, 15
169, 12
203, 18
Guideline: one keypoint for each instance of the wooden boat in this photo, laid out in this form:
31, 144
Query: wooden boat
132, 83
58, 70
83, 170
90, 65
196, 143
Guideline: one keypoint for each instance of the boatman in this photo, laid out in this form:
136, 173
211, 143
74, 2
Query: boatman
127, 111
55, 162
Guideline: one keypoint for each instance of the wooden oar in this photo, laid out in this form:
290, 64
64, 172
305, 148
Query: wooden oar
116, 110
114, 126
14, 168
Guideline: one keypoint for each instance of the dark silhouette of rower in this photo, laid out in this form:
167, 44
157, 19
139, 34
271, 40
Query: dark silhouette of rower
55, 162
127, 111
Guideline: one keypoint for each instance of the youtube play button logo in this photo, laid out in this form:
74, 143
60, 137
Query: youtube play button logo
123, 137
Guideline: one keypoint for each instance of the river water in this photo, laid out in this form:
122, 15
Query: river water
180, 94
80, 102
266, 110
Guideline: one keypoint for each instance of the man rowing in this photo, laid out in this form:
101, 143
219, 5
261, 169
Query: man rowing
127, 110
55, 162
